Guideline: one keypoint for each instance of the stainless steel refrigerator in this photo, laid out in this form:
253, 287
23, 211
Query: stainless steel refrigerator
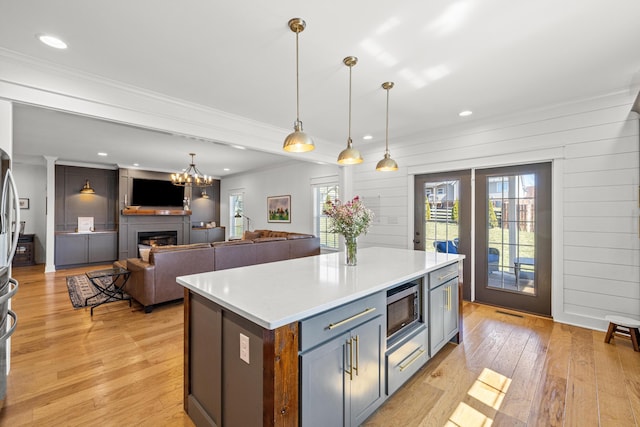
9, 233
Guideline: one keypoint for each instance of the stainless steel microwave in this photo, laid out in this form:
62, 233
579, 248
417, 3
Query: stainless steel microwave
403, 308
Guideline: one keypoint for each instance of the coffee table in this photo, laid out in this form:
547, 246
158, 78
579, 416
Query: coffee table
112, 288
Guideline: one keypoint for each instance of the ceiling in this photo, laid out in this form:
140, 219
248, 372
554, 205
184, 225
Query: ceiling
494, 57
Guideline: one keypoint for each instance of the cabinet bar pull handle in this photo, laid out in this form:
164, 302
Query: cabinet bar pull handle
347, 320
453, 273
418, 352
357, 365
350, 371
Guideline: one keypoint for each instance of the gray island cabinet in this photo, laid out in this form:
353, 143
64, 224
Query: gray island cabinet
304, 341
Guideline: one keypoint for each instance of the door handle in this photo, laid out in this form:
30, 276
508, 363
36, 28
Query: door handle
446, 276
357, 365
350, 371
349, 319
416, 355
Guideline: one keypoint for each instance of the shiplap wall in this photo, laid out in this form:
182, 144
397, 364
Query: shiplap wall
593, 145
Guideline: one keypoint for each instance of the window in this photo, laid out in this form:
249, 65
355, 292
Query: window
323, 194
236, 215
511, 232
441, 216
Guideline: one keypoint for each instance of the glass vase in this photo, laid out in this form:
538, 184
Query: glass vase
351, 250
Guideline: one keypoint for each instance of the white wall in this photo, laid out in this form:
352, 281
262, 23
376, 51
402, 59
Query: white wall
6, 127
31, 181
293, 179
594, 148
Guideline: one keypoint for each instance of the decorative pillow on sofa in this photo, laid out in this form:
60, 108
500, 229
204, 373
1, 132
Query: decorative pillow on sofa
269, 239
144, 252
173, 248
250, 235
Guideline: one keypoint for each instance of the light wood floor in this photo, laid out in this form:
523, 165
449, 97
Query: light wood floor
123, 367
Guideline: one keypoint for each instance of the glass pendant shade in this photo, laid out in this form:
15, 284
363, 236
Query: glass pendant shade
297, 141
349, 156
387, 164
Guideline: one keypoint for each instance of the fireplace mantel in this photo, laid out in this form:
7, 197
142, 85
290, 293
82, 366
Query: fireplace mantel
155, 212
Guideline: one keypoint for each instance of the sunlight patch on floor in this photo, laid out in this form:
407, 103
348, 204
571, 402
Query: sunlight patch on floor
490, 389
466, 416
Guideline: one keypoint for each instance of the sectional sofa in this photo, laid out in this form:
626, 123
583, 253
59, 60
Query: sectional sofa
154, 281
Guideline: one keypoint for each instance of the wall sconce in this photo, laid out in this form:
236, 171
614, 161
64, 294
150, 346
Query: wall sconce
204, 194
87, 188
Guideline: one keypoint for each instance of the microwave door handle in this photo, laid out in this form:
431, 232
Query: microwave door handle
16, 205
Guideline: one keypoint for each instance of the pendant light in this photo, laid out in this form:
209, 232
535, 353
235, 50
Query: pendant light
387, 164
298, 141
350, 156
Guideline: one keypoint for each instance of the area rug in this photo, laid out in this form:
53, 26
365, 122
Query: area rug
80, 288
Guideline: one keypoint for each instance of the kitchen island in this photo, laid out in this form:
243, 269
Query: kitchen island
248, 330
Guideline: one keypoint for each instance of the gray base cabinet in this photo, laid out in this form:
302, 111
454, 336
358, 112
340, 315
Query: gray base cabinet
342, 380
207, 235
342, 373
85, 248
443, 307
407, 358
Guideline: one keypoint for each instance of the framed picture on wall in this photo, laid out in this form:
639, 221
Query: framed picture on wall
279, 209
24, 203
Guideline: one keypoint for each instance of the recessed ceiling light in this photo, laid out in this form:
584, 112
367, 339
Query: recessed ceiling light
465, 113
367, 137
239, 147
52, 41
226, 169
136, 164
102, 154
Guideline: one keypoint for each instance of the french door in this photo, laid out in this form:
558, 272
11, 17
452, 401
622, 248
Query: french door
512, 220
513, 237
443, 217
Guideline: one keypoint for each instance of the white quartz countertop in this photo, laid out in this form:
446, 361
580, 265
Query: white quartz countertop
275, 294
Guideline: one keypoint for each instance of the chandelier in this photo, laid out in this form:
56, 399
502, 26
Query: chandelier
191, 177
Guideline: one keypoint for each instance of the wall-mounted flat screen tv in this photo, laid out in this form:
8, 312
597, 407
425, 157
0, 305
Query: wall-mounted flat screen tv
156, 192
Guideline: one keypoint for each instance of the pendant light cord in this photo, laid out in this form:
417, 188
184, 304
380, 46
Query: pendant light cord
350, 67
387, 130
297, 83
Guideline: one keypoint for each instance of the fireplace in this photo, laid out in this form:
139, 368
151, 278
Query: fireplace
158, 238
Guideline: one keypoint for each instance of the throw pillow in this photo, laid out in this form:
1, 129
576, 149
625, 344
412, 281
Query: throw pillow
250, 235
144, 252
